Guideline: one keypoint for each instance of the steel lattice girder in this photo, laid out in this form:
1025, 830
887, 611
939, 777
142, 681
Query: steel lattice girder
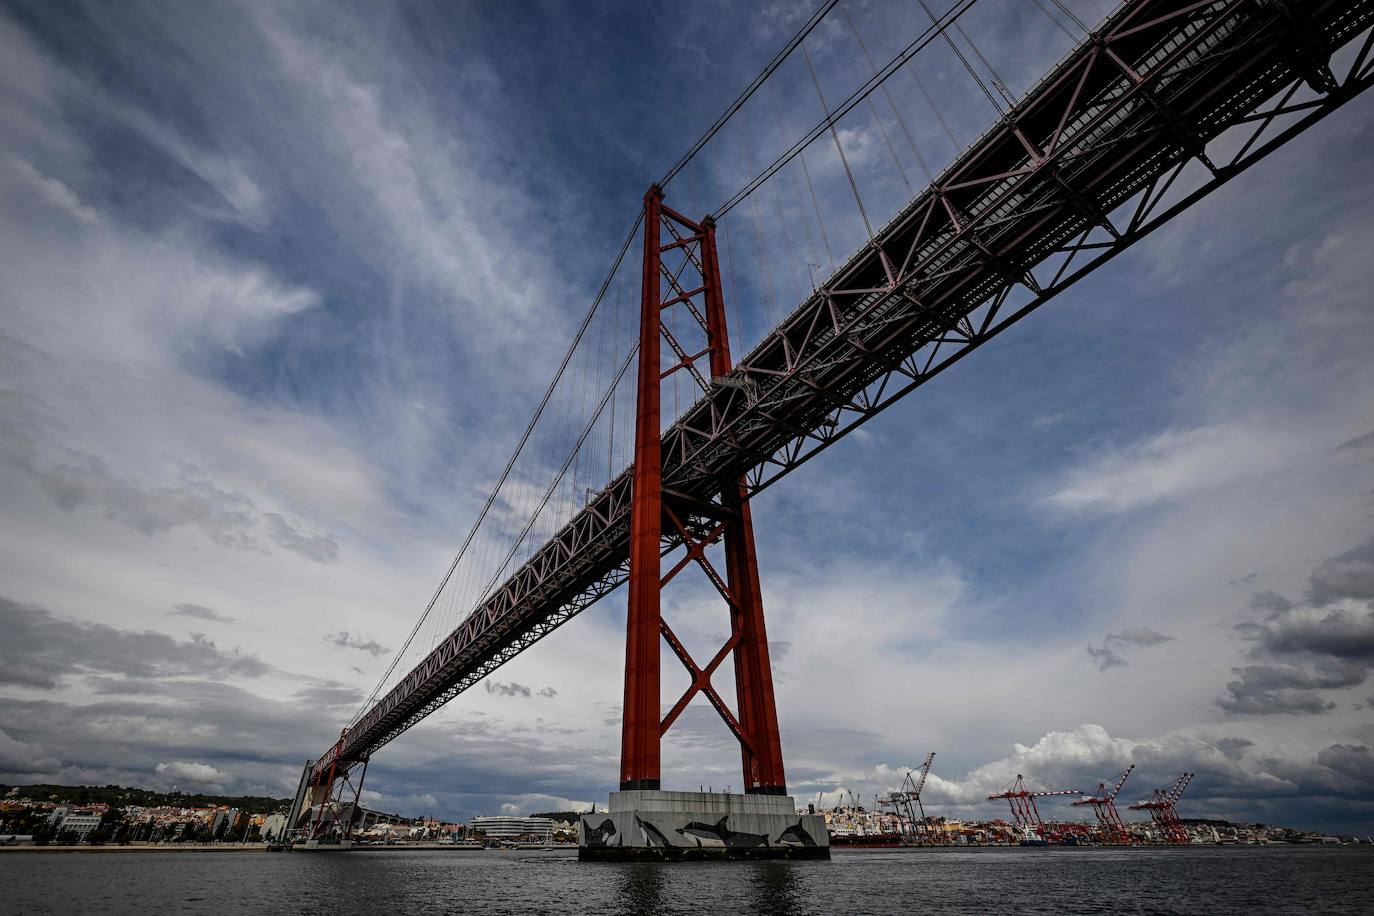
1079, 170
1113, 125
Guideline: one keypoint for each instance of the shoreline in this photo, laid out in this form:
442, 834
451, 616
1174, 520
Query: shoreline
255, 847
188, 847
445, 847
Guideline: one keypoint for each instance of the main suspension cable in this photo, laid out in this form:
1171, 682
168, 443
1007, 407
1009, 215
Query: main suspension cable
505, 473
749, 90
964, 60
586, 431
936, 30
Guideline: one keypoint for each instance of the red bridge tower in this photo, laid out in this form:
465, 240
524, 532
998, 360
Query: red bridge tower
756, 724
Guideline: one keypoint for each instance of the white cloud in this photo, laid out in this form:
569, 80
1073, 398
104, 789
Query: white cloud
53, 192
192, 772
414, 805
1171, 466
427, 201
246, 202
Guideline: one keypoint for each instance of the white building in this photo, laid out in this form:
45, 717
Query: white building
228, 816
273, 826
80, 824
536, 829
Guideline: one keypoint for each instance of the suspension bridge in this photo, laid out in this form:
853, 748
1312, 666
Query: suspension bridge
968, 201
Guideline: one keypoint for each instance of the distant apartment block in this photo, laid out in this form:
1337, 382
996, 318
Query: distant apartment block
80, 824
537, 829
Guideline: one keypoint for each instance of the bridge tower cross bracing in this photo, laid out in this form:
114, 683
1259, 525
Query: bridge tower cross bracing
692, 246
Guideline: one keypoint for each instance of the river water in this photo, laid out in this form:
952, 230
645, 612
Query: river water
1203, 880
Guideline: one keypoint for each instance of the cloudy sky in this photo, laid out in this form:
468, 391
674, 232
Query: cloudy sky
282, 284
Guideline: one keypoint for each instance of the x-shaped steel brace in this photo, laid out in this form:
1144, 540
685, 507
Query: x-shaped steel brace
683, 297
701, 677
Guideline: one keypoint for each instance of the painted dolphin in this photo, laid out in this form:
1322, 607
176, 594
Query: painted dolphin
718, 832
598, 836
699, 831
796, 834
652, 835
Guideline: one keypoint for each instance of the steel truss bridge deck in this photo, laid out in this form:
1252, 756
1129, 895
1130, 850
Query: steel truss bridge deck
1081, 168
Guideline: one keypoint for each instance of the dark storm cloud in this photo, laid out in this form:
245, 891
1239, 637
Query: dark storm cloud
507, 690
24, 757
1353, 760
1106, 655
1340, 634
1263, 689
1305, 649
39, 649
1327, 676
1243, 701
347, 640
148, 721
1337, 770
1349, 575
1233, 748
200, 612
1270, 604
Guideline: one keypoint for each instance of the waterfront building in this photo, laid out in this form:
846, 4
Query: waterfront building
388, 832
536, 829
80, 824
273, 826
227, 816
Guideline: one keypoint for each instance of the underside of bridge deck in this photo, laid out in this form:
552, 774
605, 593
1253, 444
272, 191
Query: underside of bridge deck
1163, 103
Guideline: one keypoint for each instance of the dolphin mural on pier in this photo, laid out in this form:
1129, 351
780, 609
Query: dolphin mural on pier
796, 834
719, 833
601, 834
653, 837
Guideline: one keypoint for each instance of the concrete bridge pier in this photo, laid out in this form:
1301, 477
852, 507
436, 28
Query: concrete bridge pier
653, 825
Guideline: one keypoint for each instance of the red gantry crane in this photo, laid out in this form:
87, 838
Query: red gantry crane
1161, 803
1022, 802
1104, 806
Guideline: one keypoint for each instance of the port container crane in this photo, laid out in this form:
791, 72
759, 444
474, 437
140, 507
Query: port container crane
910, 794
1161, 805
1022, 802
1104, 806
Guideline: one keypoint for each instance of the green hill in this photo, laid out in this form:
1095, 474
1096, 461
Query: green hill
122, 795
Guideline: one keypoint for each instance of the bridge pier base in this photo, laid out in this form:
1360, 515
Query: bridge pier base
652, 825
